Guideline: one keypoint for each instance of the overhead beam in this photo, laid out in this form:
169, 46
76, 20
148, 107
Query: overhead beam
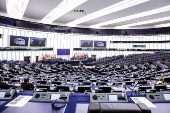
163, 25
144, 22
108, 10
64, 7
134, 16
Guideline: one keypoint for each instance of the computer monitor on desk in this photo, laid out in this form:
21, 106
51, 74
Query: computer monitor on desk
105, 89
159, 87
15, 80
143, 88
62, 88
129, 82
80, 80
86, 83
117, 83
6, 79
42, 82
41, 90
43, 86
126, 79
142, 82
82, 89
101, 83
56, 82
93, 80
167, 79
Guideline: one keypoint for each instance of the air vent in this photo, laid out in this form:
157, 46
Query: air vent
79, 11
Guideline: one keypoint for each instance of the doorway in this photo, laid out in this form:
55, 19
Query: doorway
37, 57
93, 57
27, 58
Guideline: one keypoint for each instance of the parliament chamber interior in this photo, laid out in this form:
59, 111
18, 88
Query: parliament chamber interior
84, 56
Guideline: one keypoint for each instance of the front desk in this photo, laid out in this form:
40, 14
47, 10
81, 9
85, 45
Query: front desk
33, 107
161, 108
76, 103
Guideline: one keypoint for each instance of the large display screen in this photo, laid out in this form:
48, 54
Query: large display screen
99, 43
55, 96
63, 51
37, 42
86, 43
18, 41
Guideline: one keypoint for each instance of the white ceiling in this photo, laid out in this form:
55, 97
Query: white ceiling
36, 10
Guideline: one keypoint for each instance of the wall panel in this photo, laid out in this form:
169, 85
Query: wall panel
9, 55
22, 33
1, 39
4, 55
33, 56
13, 55
14, 32
17, 55
10, 32
18, 32
5, 38
70, 41
26, 33
21, 55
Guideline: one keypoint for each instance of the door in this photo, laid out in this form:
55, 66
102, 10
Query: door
27, 58
93, 57
37, 57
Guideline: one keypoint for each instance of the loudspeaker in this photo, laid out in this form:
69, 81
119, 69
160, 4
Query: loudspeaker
69, 31
125, 33
97, 33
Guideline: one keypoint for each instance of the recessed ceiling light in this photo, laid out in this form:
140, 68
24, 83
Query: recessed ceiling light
16, 8
64, 7
138, 15
113, 8
144, 22
163, 25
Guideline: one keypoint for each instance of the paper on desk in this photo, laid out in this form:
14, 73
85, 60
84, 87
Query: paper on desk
144, 101
20, 101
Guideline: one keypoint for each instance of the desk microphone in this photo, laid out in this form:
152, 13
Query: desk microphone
134, 88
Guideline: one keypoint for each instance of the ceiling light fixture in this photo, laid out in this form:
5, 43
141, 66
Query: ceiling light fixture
144, 22
113, 8
135, 16
64, 7
163, 25
16, 8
